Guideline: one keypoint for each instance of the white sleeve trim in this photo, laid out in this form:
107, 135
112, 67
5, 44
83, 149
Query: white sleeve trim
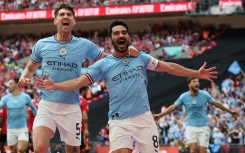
153, 64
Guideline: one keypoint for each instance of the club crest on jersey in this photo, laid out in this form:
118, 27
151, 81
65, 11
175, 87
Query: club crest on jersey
62, 50
125, 60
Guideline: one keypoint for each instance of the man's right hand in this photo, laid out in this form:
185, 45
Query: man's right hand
24, 82
46, 84
157, 117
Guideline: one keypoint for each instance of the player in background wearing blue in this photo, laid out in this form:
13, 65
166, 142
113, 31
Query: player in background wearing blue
61, 57
16, 103
126, 80
196, 103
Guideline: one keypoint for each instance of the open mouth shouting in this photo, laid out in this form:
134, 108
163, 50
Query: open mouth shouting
196, 88
65, 24
121, 43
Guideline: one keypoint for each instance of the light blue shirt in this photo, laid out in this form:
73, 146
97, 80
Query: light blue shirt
218, 138
16, 109
62, 61
126, 81
196, 107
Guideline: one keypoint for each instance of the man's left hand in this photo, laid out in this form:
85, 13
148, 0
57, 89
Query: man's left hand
133, 52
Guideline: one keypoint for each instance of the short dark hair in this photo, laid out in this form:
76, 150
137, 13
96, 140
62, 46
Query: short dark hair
116, 23
64, 6
189, 79
16, 80
83, 89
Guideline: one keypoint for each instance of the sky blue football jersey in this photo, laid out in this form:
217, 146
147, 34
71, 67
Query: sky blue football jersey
16, 109
196, 107
126, 81
62, 61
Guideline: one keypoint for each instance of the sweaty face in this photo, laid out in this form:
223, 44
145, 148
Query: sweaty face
194, 85
64, 20
12, 86
120, 38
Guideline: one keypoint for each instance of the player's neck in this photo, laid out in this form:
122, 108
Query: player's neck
16, 92
62, 36
193, 93
118, 54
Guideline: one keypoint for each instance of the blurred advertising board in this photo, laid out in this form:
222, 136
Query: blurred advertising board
157, 8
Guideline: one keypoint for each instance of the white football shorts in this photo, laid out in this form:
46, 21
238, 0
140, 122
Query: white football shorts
67, 118
15, 135
199, 135
142, 129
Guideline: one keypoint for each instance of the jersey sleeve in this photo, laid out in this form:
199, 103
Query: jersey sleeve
179, 101
31, 105
95, 72
94, 52
151, 62
35, 56
210, 99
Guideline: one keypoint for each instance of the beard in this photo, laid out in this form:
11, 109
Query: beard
11, 90
194, 89
120, 48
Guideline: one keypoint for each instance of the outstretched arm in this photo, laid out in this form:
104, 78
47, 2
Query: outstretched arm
176, 69
167, 111
69, 85
221, 106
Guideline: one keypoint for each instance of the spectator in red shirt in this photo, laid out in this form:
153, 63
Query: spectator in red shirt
84, 129
31, 117
3, 136
30, 120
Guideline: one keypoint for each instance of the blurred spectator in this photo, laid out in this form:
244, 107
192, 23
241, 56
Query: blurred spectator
227, 86
218, 140
234, 139
84, 147
58, 148
103, 136
234, 136
3, 125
